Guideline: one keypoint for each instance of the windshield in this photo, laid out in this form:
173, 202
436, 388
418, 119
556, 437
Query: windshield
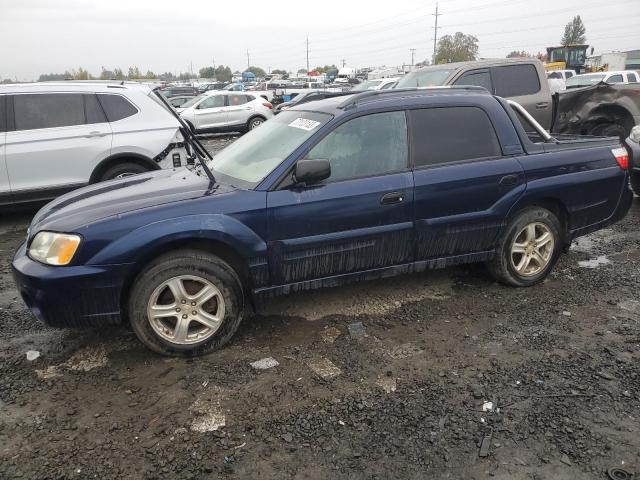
584, 80
424, 78
368, 85
192, 102
247, 161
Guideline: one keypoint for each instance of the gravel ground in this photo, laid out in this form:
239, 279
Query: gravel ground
379, 380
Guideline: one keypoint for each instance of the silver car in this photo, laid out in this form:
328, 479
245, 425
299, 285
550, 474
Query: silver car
220, 111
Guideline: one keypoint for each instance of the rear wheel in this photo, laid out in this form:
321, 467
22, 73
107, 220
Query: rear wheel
254, 122
529, 249
186, 303
122, 170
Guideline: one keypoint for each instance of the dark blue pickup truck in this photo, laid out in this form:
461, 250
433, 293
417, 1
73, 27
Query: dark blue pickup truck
348, 188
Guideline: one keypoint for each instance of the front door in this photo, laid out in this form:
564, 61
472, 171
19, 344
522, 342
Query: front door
54, 143
211, 113
463, 184
360, 218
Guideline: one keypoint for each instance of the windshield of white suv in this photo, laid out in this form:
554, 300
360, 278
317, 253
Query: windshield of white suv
584, 80
248, 160
424, 78
192, 102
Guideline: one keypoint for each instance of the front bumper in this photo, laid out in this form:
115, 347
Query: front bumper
75, 296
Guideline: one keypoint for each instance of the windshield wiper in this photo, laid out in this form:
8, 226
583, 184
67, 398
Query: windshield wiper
189, 137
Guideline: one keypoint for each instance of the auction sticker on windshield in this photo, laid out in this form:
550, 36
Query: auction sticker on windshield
304, 124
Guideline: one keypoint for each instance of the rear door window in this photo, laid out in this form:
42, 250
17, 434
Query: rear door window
633, 78
451, 134
479, 78
516, 80
48, 110
235, 100
116, 107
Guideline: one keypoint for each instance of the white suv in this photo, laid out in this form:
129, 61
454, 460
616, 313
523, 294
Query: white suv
219, 111
58, 136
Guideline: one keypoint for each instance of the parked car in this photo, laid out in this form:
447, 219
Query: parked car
612, 78
561, 74
349, 188
218, 111
301, 98
177, 102
55, 137
205, 87
377, 84
179, 91
523, 80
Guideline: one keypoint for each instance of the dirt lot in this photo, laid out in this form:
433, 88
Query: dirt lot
378, 380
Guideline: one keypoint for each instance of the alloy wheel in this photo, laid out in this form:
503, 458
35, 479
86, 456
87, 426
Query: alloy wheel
532, 249
186, 310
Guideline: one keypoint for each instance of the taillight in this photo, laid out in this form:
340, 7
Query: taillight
268, 105
622, 157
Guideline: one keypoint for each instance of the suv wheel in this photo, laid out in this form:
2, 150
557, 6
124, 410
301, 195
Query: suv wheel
122, 170
254, 122
186, 303
529, 249
635, 182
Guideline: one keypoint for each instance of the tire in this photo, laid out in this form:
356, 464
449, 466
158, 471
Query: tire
192, 267
121, 170
254, 122
503, 267
610, 130
635, 182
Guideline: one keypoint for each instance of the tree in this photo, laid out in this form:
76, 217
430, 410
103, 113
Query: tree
257, 71
278, 71
519, 54
325, 69
134, 72
48, 77
223, 74
574, 32
302, 70
118, 74
207, 72
457, 48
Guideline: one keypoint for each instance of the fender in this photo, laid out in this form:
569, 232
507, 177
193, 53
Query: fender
152, 237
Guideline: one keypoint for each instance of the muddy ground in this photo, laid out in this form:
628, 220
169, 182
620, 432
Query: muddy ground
379, 380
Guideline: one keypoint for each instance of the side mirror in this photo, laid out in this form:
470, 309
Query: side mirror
310, 172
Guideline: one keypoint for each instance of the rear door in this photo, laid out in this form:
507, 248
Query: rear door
211, 112
54, 142
238, 109
360, 218
5, 188
464, 184
521, 83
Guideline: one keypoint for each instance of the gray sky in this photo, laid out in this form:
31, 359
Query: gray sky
42, 36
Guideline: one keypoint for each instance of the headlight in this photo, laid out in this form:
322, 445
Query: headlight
54, 248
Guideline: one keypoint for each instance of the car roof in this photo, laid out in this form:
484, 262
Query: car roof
370, 99
75, 86
486, 62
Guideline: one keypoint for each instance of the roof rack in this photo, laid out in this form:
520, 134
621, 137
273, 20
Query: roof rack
353, 101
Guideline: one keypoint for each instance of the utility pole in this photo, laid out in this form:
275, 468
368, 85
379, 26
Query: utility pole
307, 54
435, 35
213, 60
248, 64
344, 62
413, 52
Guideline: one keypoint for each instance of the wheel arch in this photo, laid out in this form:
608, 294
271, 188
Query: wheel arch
553, 204
608, 113
112, 160
216, 247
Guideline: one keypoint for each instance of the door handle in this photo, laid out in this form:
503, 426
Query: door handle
95, 134
391, 198
542, 105
508, 180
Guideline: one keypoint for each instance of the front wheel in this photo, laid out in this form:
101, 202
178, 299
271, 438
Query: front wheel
529, 249
122, 170
186, 303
